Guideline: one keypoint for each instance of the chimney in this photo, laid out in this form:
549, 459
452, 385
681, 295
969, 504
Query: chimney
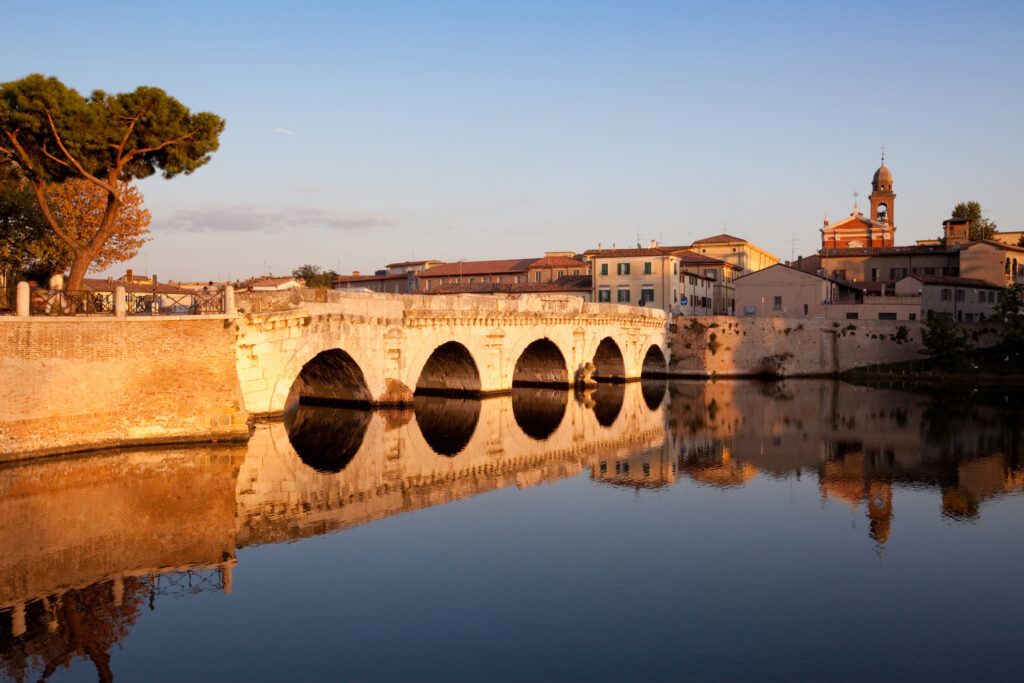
355, 273
654, 243
799, 262
128, 276
599, 246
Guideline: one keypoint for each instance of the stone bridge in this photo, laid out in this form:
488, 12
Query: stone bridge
380, 349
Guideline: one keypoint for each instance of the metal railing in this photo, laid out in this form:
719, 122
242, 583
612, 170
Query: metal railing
70, 302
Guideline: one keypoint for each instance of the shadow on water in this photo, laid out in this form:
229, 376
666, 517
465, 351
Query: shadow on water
608, 399
654, 391
326, 438
538, 412
447, 424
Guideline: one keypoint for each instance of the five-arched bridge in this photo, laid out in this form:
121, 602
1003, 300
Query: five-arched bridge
379, 349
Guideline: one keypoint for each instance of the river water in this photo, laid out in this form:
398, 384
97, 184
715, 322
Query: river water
647, 531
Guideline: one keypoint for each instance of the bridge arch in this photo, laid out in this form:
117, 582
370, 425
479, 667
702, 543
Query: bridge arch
326, 439
609, 362
446, 423
330, 376
654, 363
539, 411
449, 370
541, 363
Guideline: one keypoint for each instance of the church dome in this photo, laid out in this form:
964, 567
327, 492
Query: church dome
883, 178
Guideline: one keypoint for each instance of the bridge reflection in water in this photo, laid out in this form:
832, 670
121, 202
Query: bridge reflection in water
90, 543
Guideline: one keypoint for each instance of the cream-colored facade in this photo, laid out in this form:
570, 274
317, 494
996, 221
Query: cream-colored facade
783, 292
637, 277
696, 294
735, 250
963, 299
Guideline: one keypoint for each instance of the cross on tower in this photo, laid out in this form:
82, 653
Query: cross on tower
855, 195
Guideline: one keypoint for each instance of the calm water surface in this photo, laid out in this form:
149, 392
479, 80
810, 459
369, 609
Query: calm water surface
654, 531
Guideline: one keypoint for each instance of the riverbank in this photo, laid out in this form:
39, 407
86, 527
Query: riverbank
988, 368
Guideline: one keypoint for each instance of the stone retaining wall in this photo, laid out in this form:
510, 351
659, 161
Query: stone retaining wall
723, 345
71, 384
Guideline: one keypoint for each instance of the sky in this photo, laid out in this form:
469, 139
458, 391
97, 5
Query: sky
364, 133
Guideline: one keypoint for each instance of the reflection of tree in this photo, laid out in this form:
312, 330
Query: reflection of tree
83, 622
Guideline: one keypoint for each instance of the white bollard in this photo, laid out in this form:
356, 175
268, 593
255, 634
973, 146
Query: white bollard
120, 302
229, 300
24, 299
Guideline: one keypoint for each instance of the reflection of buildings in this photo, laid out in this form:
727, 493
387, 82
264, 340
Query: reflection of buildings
862, 444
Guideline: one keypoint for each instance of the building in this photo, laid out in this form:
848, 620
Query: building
397, 278
735, 250
643, 276
720, 272
269, 283
785, 292
878, 229
471, 274
960, 298
567, 285
696, 294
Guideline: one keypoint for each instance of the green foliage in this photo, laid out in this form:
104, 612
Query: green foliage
945, 341
1011, 312
315, 276
981, 228
26, 241
51, 133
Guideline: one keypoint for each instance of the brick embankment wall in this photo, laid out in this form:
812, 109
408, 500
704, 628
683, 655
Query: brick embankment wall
722, 345
72, 384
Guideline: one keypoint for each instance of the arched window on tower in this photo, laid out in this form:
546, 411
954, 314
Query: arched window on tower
882, 211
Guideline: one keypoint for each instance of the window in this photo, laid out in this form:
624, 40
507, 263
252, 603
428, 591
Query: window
960, 295
778, 304
874, 274
517, 279
852, 316
604, 295
693, 281
912, 316
561, 273
470, 280
675, 268
946, 294
500, 279
604, 269
429, 283
805, 310
887, 316
991, 297
483, 279
897, 273
675, 295
538, 276
647, 293
623, 295
647, 268
709, 274
623, 269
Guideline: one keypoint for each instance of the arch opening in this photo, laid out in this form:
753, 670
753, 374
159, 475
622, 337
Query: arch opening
326, 438
541, 364
447, 424
539, 411
608, 399
608, 362
654, 364
331, 377
450, 371
653, 390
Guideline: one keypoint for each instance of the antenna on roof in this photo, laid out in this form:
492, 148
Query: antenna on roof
792, 251
883, 155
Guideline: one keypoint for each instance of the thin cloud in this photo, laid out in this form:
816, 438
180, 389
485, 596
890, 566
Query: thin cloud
258, 219
283, 131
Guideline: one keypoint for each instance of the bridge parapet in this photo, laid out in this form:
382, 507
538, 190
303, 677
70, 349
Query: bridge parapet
389, 344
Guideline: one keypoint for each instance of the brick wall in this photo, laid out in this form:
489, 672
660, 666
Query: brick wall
725, 345
70, 384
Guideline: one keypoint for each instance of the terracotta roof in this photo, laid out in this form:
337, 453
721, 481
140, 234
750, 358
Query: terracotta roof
478, 268
640, 251
831, 252
559, 262
720, 239
367, 278
689, 258
952, 280
410, 263
1001, 245
566, 284
104, 285
857, 217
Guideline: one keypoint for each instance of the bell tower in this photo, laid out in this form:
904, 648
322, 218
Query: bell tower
882, 197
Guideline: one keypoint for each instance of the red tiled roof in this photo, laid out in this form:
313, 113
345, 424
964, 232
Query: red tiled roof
952, 280
832, 252
639, 251
367, 278
690, 258
502, 267
558, 262
409, 263
720, 239
566, 284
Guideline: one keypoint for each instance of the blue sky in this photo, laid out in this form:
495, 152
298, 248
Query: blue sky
359, 134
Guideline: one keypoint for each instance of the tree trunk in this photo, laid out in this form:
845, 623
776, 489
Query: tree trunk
79, 267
